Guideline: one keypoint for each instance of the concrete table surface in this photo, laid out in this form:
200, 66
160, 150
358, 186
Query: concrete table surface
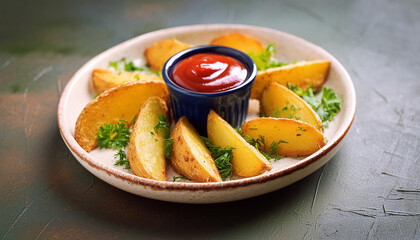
369, 190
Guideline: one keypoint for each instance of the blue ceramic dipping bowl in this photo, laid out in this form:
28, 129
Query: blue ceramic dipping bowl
231, 105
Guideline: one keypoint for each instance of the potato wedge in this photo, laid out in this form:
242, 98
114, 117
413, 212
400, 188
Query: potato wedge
302, 74
247, 161
296, 138
190, 157
122, 102
103, 79
240, 42
157, 54
280, 102
146, 151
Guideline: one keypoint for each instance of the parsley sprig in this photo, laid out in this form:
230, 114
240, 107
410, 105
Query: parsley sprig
221, 157
327, 106
113, 135
266, 59
164, 126
116, 136
122, 159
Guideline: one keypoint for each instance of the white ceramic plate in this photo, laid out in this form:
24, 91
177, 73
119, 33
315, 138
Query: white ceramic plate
79, 92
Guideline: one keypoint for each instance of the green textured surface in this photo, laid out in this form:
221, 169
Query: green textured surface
369, 190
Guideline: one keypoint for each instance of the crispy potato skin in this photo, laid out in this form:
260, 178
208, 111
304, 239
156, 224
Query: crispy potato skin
301, 74
302, 139
158, 53
146, 152
121, 102
240, 42
276, 97
103, 79
247, 161
190, 157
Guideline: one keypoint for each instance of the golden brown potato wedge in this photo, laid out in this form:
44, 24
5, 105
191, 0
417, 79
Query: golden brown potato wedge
240, 42
103, 79
302, 74
247, 161
146, 151
280, 102
157, 54
294, 138
190, 157
122, 102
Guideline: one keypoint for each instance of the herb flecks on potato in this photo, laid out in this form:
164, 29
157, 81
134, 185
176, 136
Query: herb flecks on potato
280, 102
295, 138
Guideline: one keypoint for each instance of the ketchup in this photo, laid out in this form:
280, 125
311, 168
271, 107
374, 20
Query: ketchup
208, 73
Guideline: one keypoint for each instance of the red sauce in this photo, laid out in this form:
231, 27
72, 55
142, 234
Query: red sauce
209, 72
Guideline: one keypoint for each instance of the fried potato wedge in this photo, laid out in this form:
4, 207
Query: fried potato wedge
103, 79
302, 74
146, 151
294, 138
122, 102
247, 161
240, 42
157, 54
190, 157
280, 102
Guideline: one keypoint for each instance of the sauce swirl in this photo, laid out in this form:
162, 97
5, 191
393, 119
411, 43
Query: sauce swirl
209, 72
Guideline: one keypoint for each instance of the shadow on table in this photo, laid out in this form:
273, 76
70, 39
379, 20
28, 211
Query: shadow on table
85, 194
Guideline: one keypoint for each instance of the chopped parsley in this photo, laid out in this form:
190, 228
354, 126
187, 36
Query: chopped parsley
113, 135
114, 65
175, 178
164, 126
292, 109
122, 159
168, 146
128, 66
272, 151
327, 106
266, 59
221, 157
260, 144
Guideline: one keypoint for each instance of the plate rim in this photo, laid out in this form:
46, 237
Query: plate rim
193, 186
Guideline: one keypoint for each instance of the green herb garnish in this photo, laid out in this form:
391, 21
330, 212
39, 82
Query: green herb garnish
327, 106
168, 146
114, 65
130, 67
122, 159
266, 59
272, 151
113, 135
221, 157
259, 144
179, 177
164, 126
